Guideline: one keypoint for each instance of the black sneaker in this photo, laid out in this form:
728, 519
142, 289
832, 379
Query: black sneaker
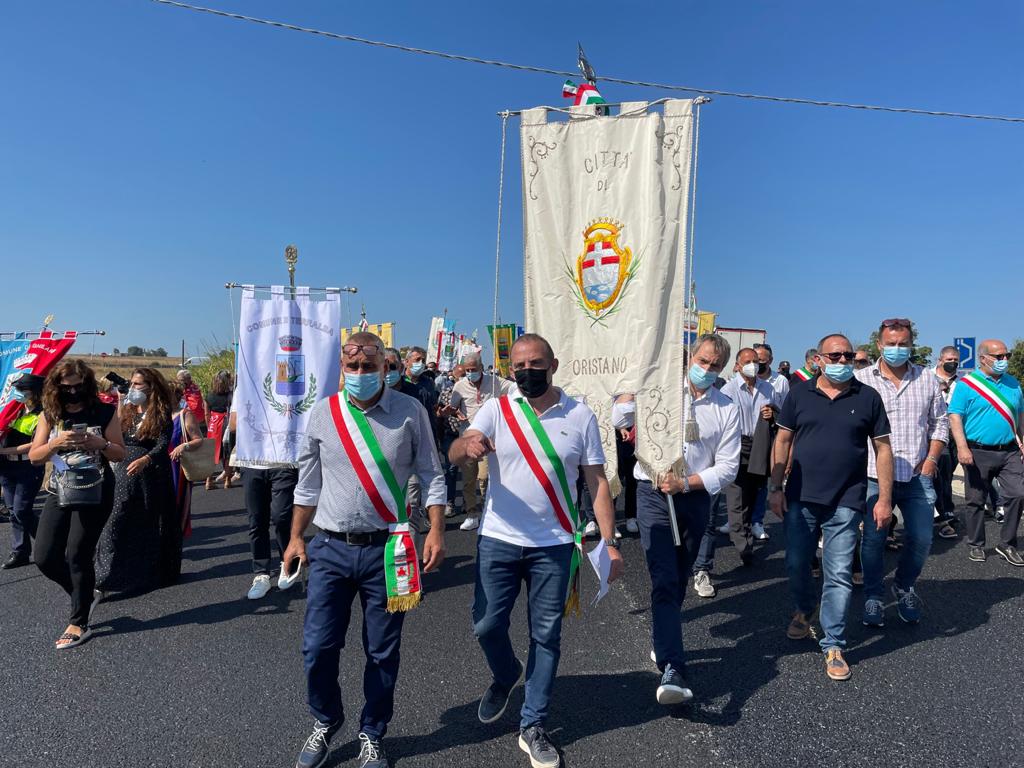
1010, 554
673, 689
495, 699
747, 557
371, 753
535, 742
977, 554
314, 752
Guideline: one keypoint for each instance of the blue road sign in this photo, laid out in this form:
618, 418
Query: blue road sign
965, 347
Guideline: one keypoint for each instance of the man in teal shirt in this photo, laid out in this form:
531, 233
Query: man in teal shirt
985, 420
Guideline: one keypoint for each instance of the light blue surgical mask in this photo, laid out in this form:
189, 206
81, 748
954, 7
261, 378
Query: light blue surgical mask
18, 396
1000, 366
391, 377
474, 376
416, 369
702, 378
362, 386
838, 372
896, 355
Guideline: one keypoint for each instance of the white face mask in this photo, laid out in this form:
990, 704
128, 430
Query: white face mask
750, 370
136, 397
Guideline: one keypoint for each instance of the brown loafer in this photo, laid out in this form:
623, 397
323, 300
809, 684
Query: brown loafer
835, 666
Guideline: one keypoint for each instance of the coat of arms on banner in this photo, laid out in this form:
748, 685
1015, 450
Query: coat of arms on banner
289, 379
603, 270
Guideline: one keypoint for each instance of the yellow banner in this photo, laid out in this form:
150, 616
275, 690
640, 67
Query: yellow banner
386, 332
502, 337
705, 322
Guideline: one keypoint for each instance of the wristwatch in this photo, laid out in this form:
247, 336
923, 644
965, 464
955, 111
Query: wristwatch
772, 488
612, 542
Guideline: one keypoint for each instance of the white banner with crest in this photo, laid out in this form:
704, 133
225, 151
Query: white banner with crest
606, 208
289, 358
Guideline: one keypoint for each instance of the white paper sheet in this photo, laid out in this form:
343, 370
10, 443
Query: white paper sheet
602, 563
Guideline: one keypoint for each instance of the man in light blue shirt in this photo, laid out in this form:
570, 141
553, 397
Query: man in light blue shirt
985, 420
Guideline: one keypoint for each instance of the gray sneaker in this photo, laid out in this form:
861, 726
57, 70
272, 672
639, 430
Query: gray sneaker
874, 613
535, 742
371, 753
673, 689
495, 699
702, 584
317, 747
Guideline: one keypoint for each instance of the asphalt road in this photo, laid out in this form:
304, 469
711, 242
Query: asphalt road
196, 675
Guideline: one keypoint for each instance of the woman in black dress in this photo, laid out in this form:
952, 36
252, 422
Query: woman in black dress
75, 429
140, 548
218, 405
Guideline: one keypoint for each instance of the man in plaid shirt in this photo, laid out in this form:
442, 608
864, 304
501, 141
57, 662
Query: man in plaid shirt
920, 430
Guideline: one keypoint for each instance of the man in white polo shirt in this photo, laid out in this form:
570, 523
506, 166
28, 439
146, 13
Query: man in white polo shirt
542, 440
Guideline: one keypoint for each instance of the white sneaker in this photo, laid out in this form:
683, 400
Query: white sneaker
724, 529
260, 587
759, 532
591, 529
654, 656
702, 584
618, 533
470, 524
632, 525
285, 580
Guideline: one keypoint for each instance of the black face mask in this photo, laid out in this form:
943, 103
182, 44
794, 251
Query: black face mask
949, 367
762, 367
532, 382
70, 398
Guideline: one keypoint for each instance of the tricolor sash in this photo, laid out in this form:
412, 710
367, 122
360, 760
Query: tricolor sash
401, 566
547, 467
803, 374
990, 392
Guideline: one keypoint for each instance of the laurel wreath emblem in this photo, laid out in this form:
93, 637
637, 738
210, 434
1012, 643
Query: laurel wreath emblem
286, 409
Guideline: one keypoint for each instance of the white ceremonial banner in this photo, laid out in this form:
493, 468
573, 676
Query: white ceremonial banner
434, 340
289, 357
606, 208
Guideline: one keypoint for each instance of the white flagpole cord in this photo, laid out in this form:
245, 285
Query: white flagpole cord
497, 245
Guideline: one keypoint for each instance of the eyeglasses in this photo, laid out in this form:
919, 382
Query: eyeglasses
393, 366
896, 322
1000, 356
370, 350
861, 361
835, 357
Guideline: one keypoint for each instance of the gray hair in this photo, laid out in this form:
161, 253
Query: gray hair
833, 336
411, 350
946, 349
811, 353
391, 351
723, 351
474, 356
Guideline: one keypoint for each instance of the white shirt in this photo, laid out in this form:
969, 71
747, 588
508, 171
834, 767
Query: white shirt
780, 384
750, 403
468, 399
517, 510
716, 455
624, 415
944, 380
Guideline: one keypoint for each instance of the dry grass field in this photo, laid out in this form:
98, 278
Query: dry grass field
124, 366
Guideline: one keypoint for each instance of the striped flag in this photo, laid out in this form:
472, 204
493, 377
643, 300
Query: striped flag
584, 93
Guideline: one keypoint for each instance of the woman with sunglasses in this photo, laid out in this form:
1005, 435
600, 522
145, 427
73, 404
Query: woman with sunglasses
140, 548
75, 429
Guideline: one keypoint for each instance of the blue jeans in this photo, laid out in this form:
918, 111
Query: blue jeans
669, 565
916, 500
839, 527
757, 516
501, 568
339, 571
705, 559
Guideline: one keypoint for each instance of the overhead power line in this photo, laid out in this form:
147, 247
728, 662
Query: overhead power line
564, 73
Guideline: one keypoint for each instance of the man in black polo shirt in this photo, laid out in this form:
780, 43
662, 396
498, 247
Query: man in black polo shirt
827, 422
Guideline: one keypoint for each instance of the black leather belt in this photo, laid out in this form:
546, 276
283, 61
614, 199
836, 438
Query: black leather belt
372, 538
1011, 446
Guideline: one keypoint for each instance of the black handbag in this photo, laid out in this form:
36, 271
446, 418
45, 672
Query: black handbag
79, 486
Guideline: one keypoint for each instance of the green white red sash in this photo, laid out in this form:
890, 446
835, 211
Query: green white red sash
803, 374
991, 393
401, 566
547, 467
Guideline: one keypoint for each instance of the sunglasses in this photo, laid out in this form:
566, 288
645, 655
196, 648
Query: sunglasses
69, 388
1000, 356
835, 357
896, 322
861, 361
370, 350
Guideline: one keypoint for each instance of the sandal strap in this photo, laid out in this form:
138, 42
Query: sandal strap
69, 636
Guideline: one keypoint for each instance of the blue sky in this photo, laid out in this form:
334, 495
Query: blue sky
150, 154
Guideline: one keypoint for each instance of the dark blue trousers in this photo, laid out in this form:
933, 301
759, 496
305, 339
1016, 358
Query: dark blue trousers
337, 573
668, 564
21, 482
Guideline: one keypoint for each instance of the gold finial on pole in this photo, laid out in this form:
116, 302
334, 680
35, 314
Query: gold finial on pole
291, 257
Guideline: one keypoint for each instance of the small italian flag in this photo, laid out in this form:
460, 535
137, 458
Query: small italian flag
584, 93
